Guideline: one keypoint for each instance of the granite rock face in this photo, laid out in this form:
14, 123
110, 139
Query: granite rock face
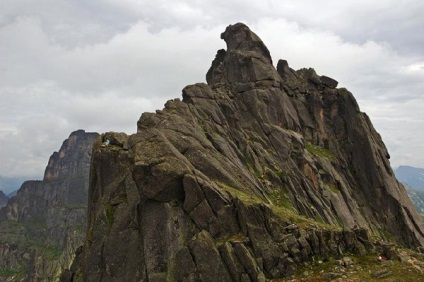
43, 225
249, 175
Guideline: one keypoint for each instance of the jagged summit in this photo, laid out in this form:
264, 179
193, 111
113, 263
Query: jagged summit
247, 177
63, 164
240, 38
247, 59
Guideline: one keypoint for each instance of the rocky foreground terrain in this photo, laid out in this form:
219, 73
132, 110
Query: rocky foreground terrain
251, 177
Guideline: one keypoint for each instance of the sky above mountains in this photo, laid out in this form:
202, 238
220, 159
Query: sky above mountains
97, 65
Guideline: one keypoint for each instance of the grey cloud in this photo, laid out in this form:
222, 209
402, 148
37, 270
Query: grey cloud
126, 59
79, 23
98, 65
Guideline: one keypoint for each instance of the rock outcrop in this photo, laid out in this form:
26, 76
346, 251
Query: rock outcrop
43, 225
248, 176
3, 199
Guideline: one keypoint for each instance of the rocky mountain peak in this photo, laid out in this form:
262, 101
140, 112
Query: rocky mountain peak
240, 38
245, 179
70, 160
246, 60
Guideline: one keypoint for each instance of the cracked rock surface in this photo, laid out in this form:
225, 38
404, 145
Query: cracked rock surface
243, 179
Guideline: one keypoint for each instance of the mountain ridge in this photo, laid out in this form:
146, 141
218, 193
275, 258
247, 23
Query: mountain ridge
43, 225
250, 175
411, 176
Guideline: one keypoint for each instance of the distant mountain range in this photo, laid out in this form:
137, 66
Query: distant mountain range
413, 177
417, 198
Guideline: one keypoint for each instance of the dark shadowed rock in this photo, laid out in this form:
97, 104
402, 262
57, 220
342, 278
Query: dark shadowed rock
328, 81
3, 199
247, 60
245, 179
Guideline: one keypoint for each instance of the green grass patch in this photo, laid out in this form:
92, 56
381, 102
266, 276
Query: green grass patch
387, 235
319, 151
30, 236
17, 275
302, 221
243, 196
362, 269
279, 198
109, 212
22, 233
51, 253
285, 213
331, 187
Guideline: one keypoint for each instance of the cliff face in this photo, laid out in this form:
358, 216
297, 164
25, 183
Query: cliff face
42, 226
3, 199
249, 175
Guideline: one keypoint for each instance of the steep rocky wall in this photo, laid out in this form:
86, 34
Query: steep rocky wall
246, 177
43, 225
3, 199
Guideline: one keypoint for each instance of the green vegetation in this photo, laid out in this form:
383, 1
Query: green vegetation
319, 151
16, 233
279, 198
386, 235
80, 274
331, 187
286, 211
109, 212
28, 236
243, 196
51, 253
17, 275
363, 268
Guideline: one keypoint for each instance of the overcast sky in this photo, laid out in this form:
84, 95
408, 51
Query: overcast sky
98, 64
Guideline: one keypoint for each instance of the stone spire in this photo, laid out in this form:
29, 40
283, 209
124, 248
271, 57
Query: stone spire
247, 59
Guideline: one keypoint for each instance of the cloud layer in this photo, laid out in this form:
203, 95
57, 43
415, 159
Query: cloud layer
98, 65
